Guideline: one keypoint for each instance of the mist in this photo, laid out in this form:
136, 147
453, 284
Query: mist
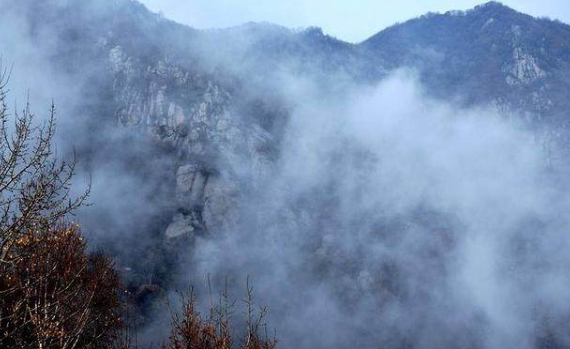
391, 218
366, 215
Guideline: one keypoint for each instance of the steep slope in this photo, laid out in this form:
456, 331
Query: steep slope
491, 54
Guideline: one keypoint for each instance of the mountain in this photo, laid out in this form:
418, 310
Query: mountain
213, 97
489, 54
186, 131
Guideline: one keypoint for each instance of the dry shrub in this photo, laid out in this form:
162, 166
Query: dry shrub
191, 330
53, 294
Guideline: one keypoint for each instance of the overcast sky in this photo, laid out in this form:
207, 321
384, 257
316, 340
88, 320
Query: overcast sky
350, 20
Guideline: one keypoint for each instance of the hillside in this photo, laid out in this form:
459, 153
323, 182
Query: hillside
489, 54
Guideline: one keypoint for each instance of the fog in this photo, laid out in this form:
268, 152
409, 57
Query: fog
385, 218
392, 220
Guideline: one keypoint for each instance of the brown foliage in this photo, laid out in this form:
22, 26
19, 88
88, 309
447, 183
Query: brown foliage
55, 295
190, 330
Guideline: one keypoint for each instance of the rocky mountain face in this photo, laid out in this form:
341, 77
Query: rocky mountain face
491, 54
183, 88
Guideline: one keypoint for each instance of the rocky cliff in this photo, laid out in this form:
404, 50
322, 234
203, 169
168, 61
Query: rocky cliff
212, 97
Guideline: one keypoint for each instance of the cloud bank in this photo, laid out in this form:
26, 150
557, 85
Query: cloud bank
392, 220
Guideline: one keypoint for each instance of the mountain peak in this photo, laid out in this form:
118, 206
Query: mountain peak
314, 32
494, 6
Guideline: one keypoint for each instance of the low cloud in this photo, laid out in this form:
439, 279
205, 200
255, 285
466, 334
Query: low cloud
391, 218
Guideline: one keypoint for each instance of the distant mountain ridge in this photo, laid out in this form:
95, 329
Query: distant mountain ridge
489, 54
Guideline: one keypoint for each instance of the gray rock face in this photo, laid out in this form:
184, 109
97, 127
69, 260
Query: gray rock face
192, 114
523, 67
207, 203
181, 226
191, 182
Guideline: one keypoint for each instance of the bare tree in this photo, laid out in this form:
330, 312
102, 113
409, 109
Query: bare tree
34, 186
254, 339
191, 330
53, 293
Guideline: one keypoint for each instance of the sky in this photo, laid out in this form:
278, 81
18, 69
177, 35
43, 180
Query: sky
350, 20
